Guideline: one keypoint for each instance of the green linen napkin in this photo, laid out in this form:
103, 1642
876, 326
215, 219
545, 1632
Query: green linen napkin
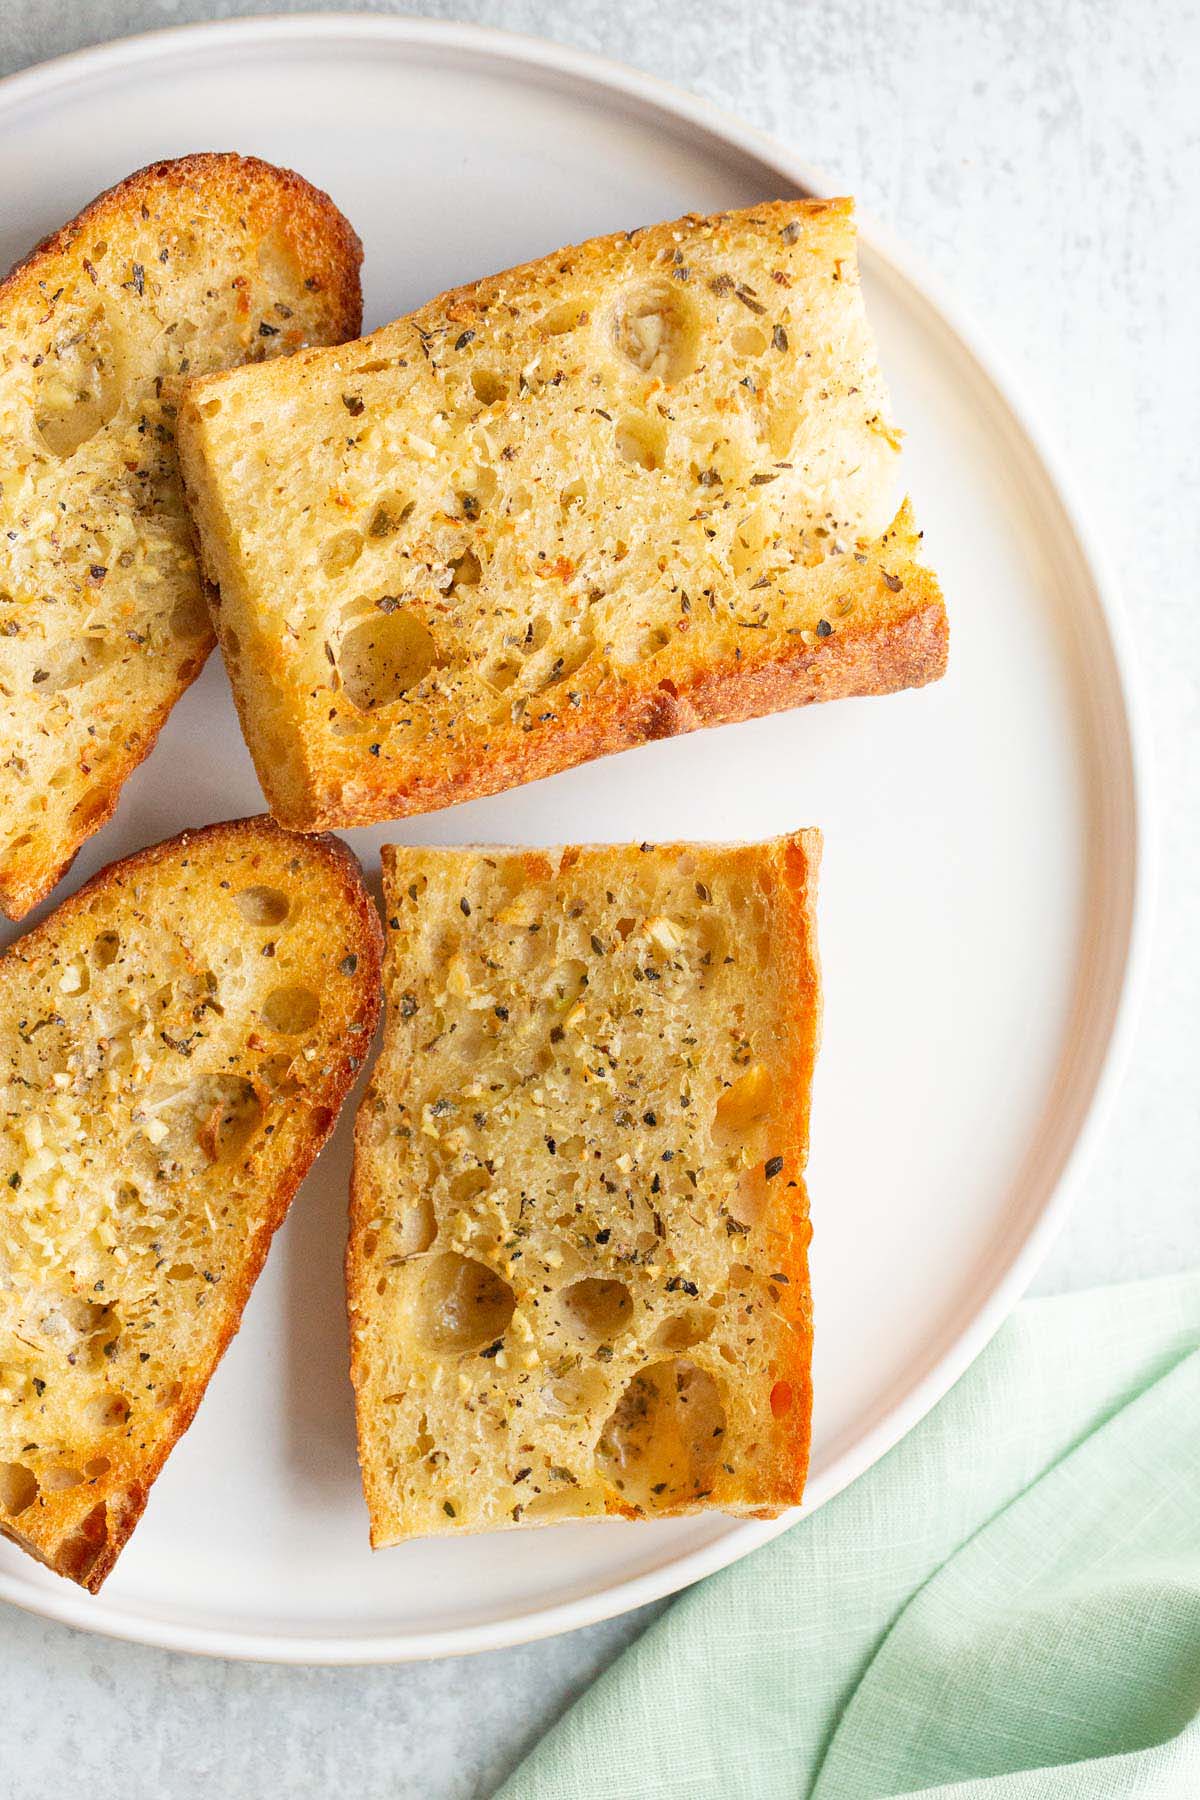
1006, 1607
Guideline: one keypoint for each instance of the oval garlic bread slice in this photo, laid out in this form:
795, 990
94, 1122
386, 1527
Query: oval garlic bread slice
186, 267
175, 1043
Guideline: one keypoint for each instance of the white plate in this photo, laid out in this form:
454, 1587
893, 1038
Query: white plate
984, 839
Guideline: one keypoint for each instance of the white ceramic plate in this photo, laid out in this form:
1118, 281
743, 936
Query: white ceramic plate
984, 839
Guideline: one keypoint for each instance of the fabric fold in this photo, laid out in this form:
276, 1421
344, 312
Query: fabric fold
1006, 1605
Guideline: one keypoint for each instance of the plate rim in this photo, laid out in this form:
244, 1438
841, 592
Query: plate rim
1131, 933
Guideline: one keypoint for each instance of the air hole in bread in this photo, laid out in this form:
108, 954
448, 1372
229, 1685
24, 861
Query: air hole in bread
384, 657
573, 495
220, 1112
461, 1305
748, 1202
489, 386
340, 553
416, 1227
80, 1548
568, 315
466, 571
478, 491
388, 515
105, 1412
595, 1310
216, 1115
182, 1271
59, 1480
75, 979
80, 384
537, 634
744, 1104
105, 949
684, 1329
277, 1072
653, 328
568, 662
209, 408
291, 1009
189, 618
640, 441
80, 1317
18, 1488
70, 664
562, 1502
661, 1445
261, 905
95, 805
501, 674
712, 938
748, 340
465, 1186
96, 1466
783, 1398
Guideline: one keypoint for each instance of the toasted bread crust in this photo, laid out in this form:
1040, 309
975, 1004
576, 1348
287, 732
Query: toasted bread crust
905, 649
775, 1385
314, 223
212, 186
84, 1549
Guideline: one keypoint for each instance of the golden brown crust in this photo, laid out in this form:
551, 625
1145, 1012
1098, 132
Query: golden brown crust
85, 1550
791, 1397
879, 656
317, 236
315, 224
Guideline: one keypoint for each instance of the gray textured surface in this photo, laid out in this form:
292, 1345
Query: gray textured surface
1045, 158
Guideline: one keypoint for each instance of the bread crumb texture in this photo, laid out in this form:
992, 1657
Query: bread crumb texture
640, 486
578, 1255
175, 1042
187, 267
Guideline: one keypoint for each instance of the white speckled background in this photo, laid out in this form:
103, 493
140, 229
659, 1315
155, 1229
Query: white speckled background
1044, 156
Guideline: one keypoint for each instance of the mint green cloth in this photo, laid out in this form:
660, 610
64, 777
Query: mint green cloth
1006, 1607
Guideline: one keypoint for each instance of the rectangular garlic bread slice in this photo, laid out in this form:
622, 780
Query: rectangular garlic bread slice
577, 1266
186, 267
175, 1043
640, 486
